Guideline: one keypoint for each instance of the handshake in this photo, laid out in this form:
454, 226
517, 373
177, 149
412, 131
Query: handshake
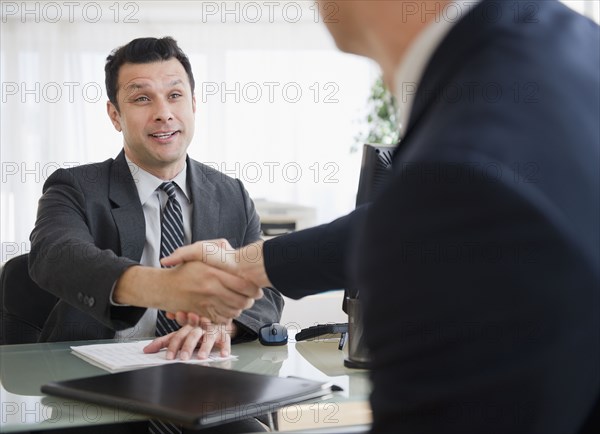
235, 278
208, 281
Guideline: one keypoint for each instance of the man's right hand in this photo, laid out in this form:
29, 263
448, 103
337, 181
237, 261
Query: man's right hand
191, 287
247, 263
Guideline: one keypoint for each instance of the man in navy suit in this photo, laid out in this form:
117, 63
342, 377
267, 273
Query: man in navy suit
479, 262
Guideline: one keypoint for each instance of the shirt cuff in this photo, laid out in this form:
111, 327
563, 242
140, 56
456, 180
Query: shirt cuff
112, 301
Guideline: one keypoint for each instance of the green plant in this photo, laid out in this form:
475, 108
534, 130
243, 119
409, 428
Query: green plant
381, 122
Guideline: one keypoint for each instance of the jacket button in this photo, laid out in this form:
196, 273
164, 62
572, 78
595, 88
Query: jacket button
91, 301
80, 297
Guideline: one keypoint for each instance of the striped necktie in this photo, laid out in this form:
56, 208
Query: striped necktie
171, 239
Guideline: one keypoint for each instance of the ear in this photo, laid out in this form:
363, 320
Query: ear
113, 114
194, 103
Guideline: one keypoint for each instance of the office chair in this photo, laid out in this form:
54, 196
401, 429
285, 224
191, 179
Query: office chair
24, 306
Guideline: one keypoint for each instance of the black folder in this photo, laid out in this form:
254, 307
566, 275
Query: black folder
194, 396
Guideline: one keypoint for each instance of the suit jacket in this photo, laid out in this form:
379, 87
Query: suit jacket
479, 262
90, 227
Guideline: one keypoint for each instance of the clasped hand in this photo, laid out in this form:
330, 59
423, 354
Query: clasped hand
238, 268
228, 278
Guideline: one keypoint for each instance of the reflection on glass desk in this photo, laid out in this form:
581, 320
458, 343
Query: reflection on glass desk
24, 368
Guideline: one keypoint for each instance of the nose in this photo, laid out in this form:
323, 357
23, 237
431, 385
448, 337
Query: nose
163, 111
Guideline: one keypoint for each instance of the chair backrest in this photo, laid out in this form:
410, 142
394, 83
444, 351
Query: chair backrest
24, 305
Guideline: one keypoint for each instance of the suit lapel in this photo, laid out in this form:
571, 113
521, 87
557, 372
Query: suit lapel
127, 209
206, 209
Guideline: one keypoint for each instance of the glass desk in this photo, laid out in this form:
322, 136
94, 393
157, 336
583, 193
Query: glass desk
24, 368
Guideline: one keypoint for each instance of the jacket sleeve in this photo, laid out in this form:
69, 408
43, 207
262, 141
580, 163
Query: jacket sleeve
269, 308
64, 257
313, 260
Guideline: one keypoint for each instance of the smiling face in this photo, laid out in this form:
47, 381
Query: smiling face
156, 115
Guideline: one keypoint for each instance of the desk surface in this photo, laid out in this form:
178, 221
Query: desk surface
24, 368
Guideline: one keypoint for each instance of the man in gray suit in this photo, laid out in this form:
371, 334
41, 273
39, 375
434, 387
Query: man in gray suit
97, 239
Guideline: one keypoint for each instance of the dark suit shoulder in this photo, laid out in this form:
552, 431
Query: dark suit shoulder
216, 183
81, 175
503, 115
210, 175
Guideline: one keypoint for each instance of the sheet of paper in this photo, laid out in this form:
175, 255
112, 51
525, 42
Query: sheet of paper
125, 356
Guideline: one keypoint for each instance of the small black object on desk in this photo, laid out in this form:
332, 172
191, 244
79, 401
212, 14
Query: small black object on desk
324, 331
273, 334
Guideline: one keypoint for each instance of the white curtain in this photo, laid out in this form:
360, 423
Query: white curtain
278, 105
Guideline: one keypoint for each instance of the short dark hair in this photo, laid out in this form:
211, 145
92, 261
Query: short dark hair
142, 50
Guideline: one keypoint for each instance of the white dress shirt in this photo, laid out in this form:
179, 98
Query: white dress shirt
408, 75
153, 201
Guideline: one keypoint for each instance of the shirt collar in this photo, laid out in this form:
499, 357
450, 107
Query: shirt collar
412, 67
146, 183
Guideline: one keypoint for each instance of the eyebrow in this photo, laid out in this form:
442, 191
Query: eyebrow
137, 86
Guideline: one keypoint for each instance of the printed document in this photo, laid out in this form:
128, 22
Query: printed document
125, 356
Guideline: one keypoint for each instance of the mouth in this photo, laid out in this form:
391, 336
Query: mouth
164, 135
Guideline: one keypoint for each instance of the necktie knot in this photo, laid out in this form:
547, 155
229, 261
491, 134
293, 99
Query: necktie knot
169, 188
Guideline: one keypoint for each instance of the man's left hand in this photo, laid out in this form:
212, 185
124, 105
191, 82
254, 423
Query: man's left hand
184, 341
